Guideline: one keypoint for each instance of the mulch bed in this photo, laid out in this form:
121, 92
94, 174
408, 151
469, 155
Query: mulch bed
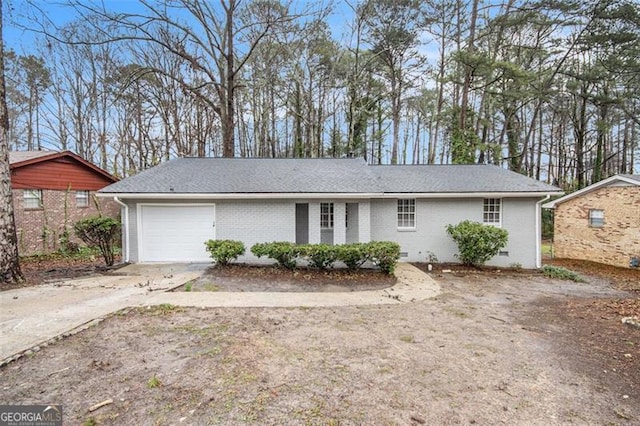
625, 279
243, 277
41, 270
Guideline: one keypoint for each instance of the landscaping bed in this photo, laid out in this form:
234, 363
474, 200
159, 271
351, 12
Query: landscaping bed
243, 277
54, 267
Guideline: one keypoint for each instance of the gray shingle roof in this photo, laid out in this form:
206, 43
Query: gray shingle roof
260, 176
634, 177
250, 175
19, 156
455, 178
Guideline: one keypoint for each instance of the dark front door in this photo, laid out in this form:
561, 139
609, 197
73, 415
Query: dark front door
302, 223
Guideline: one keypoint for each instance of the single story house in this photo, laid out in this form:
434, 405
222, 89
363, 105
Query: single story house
169, 210
600, 223
51, 191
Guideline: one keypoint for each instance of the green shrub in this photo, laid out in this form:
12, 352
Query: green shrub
319, 255
224, 251
477, 243
353, 255
560, 273
384, 254
283, 252
101, 232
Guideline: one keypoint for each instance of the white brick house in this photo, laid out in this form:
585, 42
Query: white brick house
170, 210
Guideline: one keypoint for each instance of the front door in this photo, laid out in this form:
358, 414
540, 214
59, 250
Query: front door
302, 223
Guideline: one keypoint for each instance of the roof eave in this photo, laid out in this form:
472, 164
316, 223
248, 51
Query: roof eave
55, 155
587, 189
322, 195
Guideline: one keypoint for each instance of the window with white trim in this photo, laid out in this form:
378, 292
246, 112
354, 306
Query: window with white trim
32, 198
407, 214
326, 215
82, 198
492, 211
596, 218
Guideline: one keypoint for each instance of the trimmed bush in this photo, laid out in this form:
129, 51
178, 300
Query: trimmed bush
477, 243
99, 232
224, 251
283, 252
560, 273
353, 255
384, 254
320, 256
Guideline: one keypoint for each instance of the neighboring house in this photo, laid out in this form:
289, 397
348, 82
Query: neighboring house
600, 223
171, 209
51, 191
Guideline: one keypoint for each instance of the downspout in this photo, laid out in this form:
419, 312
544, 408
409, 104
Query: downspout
539, 231
125, 223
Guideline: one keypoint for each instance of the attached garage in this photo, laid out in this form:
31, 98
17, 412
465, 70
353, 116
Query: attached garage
175, 233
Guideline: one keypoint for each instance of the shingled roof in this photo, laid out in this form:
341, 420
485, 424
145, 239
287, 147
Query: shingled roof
454, 179
318, 176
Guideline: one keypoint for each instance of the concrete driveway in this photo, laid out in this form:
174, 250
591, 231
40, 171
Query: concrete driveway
32, 316
35, 316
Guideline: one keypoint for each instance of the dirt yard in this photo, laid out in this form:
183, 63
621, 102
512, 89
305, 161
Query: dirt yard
493, 348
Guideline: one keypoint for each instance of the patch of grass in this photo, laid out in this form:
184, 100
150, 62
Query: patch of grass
91, 421
154, 382
407, 339
560, 273
210, 287
187, 286
163, 309
547, 249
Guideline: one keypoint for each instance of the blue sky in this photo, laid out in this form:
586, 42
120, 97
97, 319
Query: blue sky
19, 14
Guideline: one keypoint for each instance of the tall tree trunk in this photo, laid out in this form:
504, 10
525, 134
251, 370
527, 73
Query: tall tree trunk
9, 260
228, 117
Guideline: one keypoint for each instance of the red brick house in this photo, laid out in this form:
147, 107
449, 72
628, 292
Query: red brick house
51, 191
600, 223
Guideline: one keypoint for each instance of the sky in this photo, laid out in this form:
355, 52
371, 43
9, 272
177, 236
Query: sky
20, 36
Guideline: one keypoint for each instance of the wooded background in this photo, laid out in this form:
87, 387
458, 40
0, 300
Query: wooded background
550, 89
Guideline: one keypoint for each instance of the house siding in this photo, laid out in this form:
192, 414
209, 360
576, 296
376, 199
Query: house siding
615, 242
432, 217
58, 174
257, 221
41, 230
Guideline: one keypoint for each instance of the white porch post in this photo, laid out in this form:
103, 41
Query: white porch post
314, 223
364, 221
339, 225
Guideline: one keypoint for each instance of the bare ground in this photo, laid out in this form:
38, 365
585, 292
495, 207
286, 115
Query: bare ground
493, 348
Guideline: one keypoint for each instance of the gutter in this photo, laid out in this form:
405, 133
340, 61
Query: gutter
318, 195
539, 230
125, 221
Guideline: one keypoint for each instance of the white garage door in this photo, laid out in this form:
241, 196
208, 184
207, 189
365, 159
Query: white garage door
175, 233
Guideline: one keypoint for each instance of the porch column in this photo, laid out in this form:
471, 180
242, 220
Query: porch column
339, 224
314, 223
364, 221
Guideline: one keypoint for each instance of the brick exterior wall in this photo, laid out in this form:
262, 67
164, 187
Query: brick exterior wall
615, 242
39, 230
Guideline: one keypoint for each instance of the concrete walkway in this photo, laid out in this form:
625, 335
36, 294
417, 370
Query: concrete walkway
412, 285
35, 316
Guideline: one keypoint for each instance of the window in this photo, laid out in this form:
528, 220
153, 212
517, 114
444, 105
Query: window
596, 218
326, 215
32, 198
406, 213
82, 198
492, 211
